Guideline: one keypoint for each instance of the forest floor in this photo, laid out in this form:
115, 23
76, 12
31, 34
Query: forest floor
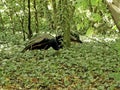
92, 65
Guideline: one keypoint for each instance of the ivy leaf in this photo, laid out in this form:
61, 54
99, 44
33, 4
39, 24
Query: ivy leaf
94, 2
96, 17
90, 32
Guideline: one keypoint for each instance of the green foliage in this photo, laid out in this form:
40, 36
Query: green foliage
50, 20
96, 17
95, 2
84, 66
117, 46
82, 4
90, 31
94, 65
91, 13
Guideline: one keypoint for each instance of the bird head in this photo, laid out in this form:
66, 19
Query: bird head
59, 40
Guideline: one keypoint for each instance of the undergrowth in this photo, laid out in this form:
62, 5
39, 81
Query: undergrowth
86, 66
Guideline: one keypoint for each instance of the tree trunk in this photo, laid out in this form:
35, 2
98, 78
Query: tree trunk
2, 22
48, 15
29, 21
114, 8
36, 17
23, 21
66, 22
54, 14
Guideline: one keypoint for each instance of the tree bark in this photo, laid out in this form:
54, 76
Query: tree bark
36, 17
114, 8
29, 21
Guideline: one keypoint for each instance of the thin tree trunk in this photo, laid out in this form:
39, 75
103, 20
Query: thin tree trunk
36, 17
54, 15
29, 21
2, 22
22, 21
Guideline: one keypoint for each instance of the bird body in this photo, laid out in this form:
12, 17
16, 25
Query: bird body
42, 42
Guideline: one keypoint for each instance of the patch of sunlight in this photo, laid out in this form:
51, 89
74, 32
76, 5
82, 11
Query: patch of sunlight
97, 38
2, 46
110, 1
109, 39
88, 13
17, 4
1, 10
50, 7
19, 32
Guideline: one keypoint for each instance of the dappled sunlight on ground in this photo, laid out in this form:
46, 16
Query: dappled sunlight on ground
98, 38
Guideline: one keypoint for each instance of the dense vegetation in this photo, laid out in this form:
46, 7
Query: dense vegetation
91, 65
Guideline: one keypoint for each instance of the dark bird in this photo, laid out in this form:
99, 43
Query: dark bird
46, 41
43, 42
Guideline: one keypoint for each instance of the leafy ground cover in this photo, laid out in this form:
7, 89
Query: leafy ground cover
87, 66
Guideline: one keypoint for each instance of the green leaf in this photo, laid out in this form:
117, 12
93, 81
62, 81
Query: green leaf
116, 76
96, 17
90, 32
94, 2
